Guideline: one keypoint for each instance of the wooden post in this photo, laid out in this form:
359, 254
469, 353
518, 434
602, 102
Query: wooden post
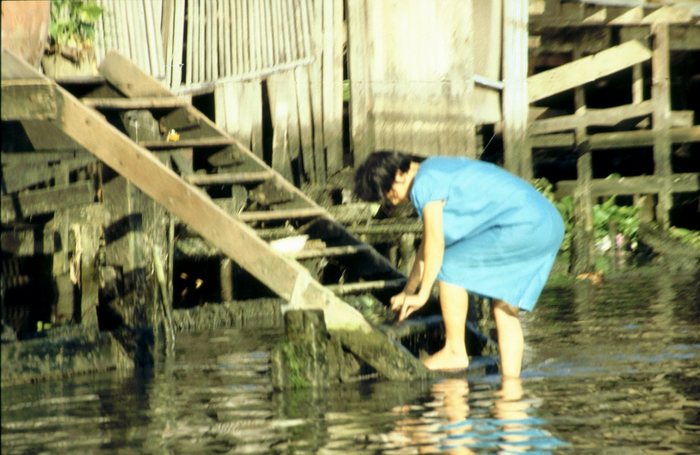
661, 119
582, 257
333, 84
517, 153
359, 56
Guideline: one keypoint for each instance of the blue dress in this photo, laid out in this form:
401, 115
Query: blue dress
501, 235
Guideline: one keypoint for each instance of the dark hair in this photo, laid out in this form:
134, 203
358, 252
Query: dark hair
374, 177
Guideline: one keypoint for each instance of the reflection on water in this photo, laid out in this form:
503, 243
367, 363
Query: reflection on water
614, 367
460, 421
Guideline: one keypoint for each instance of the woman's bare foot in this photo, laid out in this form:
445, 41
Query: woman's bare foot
446, 359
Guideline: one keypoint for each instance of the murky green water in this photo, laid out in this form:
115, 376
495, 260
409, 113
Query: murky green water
613, 368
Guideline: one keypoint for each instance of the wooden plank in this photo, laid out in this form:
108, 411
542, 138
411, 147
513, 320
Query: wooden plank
669, 14
29, 242
643, 138
366, 286
303, 97
316, 92
191, 55
330, 251
361, 129
38, 202
643, 184
583, 237
19, 176
684, 37
241, 177
227, 35
178, 41
593, 117
136, 103
619, 139
661, 119
117, 69
517, 151
333, 84
153, 40
167, 31
278, 89
28, 99
272, 215
586, 69
203, 142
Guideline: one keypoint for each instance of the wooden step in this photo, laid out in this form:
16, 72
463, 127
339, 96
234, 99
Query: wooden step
189, 143
366, 286
271, 215
230, 178
136, 103
332, 251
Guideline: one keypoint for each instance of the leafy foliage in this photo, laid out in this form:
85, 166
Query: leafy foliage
624, 218
73, 24
686, 236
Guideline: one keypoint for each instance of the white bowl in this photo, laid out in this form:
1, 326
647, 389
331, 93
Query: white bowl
291, 244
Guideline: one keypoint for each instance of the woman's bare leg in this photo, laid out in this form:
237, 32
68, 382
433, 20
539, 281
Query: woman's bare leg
510, 338
454, 303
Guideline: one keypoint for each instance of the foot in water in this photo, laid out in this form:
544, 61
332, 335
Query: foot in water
445, 359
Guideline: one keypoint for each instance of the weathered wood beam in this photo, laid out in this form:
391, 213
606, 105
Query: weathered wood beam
366, 286
29, 242
619, 139
606, 117
240, 177
642, 138
307, 212
593, 117
684, 37
643, 184
330, 251
586, 69
186, 143
17, 176
584, 15
136, 103
28, 99
38, 202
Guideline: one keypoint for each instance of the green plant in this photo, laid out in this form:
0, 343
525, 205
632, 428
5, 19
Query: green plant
686, 236
624, 218
605, 215
565, 206
72, 28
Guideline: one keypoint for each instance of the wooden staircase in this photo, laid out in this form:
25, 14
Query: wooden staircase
222, 192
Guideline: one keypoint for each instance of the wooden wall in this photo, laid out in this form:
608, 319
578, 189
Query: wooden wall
411, 69
277, 71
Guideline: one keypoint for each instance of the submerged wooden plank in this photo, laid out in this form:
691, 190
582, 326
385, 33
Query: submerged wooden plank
586, 69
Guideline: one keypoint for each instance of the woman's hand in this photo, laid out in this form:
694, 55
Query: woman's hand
407, 304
